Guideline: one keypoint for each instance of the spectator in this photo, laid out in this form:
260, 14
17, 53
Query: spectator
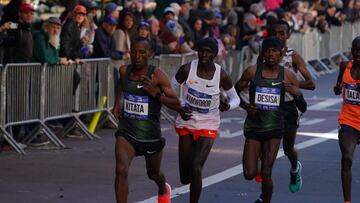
197, 30
113, 10
47, 43
71, 43
230, 36
183, 21
333, 17
19, 42
123, 35
143, 30
249, 32
104, 44
91, 7
349, 11
168, 36
156, 43
271, 5
3, 30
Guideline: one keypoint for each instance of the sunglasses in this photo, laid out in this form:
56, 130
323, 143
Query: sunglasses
82, 14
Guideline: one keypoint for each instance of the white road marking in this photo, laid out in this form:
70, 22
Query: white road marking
311, 121
228, 134
324, 104
329, 135
236, 170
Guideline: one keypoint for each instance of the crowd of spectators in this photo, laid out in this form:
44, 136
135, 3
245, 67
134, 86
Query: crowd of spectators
173, 26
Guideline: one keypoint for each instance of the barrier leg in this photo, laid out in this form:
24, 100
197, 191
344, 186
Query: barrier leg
11, 141
83, 127
66, 129
52, 137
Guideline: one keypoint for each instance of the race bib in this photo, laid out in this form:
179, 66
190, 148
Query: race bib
136, 107
352, 96
267, 98
198, 101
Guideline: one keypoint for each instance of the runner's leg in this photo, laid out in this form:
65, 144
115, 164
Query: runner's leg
252, 152
202, 149
288, 145
270, 149
153, 163
186, 145
347, 143
124, 154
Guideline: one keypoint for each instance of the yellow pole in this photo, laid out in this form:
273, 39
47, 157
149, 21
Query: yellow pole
97, 115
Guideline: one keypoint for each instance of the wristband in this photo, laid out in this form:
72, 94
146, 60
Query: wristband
157, 96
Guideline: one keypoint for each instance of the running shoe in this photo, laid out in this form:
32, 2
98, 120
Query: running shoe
260, 199
295, 179
258, 179
165, 198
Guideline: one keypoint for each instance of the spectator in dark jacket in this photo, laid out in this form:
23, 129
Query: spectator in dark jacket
47, 43
156, 43
104, 44
70, 46
19, 41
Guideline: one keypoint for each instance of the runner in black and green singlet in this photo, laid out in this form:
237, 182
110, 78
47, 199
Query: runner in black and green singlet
141, 112
143, 88
264, 124
268, 95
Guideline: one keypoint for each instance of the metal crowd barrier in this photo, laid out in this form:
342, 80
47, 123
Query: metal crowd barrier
38, 94
324, 51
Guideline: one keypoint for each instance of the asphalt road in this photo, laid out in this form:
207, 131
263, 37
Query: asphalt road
85, 171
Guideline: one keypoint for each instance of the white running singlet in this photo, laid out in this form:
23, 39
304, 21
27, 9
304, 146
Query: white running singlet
203, 98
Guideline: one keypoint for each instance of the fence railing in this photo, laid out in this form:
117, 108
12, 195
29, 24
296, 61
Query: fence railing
35, 93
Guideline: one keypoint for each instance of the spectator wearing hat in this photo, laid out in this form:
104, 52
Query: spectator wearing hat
91, 7
19, 41
47, 43
143, 29
169, 14
113, 10
71, 42
104, 44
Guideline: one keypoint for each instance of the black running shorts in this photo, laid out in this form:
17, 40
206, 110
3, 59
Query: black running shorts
263, 136
291, 115
144, 148
349, 130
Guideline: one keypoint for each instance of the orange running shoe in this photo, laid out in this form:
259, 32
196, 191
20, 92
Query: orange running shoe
165, 198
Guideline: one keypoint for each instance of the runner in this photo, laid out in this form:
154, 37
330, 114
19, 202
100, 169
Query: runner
264, 124
202, 81
349, 133
294, 62
143, 89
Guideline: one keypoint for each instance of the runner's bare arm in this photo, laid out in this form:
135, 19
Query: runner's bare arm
247, 76
117, 106
182, 74
168, 95
291, 84
337, 87
299, 64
